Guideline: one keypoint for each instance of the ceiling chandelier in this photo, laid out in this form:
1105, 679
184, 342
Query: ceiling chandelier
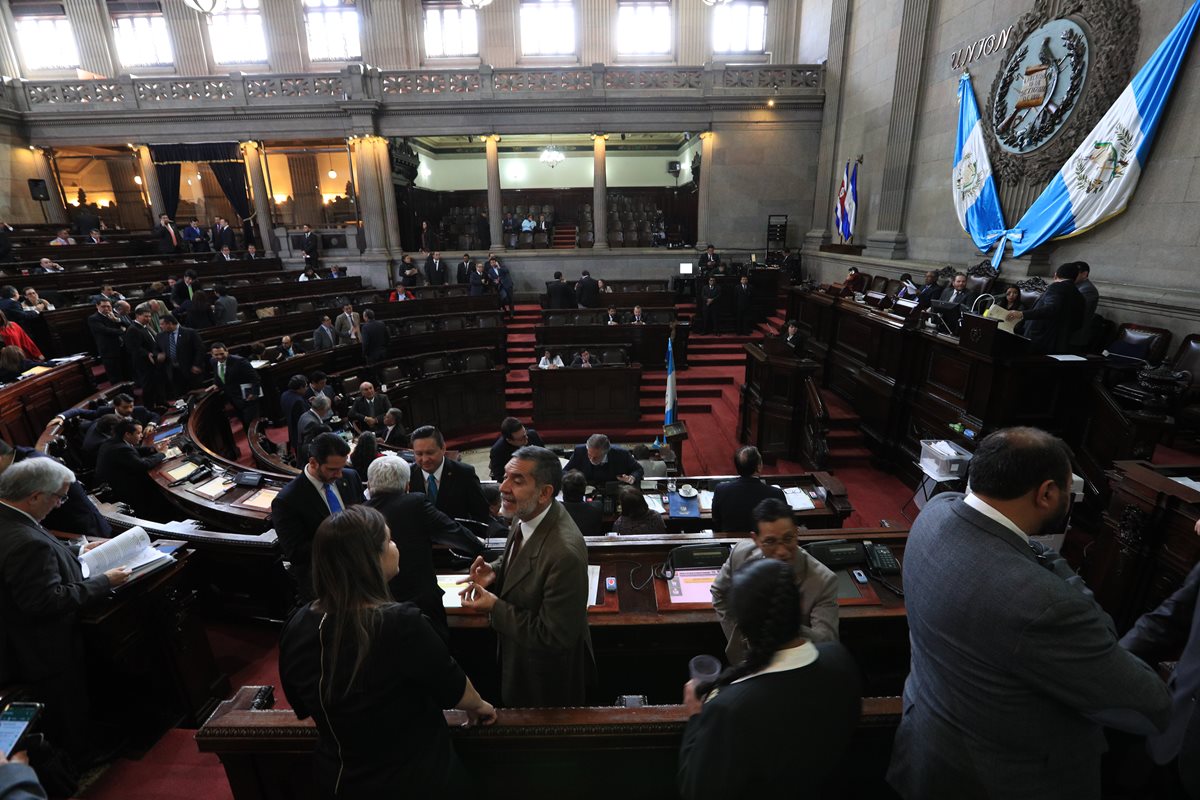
205, 7
551, 157
476, 4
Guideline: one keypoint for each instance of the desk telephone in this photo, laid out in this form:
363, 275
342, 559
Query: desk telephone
841, 553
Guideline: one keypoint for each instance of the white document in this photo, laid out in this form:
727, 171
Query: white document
131, 549
1190, 483
798, 499
259, 363
593, 584
450, 586
1067, 357
655, 502
706, 498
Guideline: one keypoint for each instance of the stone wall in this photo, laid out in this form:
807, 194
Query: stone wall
16, 168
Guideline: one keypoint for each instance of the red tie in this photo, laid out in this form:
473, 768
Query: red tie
171, 231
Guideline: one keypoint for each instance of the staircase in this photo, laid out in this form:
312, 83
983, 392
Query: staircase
564, 237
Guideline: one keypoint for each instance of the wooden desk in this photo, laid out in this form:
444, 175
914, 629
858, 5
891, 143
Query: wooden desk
600, 753
781, 412
831, 504
27, 405
648, 343
137, 269
603, 395
626, 300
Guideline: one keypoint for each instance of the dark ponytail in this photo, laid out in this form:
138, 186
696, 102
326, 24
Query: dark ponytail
765, 601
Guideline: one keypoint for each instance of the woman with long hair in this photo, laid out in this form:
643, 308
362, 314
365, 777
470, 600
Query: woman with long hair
636, 517
13, 362
372, 673
366, 450
799, 700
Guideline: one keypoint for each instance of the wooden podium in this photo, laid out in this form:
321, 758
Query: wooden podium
781, 411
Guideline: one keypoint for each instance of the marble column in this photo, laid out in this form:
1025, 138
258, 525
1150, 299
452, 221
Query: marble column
888, 238
287, 45
708, 146
600, 190
55, 211
370, 202
131, 203
495, 206
93, 35
253, 156
9, 63
387, 38
187, 39
150, 183
835, 70
387, 191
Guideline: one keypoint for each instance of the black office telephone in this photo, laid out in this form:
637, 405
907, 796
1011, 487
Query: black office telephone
842, 553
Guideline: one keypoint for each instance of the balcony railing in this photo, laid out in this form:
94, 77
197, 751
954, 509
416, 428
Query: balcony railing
355, 82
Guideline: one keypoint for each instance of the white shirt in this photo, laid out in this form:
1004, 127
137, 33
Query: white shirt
546, 363
527, 528
974, 501
319, 485
787, 659
437, 473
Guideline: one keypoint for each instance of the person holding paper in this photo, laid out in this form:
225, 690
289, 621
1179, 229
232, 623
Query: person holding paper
42, 591
775, 536
76, 514
734, 501
124, 464
536, 592
238, 381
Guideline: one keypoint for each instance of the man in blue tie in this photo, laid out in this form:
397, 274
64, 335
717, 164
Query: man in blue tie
325, 487
452, 486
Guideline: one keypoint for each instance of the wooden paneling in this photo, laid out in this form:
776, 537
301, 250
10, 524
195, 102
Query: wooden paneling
26, 406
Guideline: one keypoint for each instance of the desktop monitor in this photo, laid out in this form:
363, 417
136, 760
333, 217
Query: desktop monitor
686, 267
950, 315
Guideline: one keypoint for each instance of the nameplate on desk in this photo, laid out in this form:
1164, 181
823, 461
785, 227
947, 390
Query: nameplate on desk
258, 501
212, 489
182, 471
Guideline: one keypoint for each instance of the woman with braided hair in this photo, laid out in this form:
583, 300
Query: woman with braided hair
782, 716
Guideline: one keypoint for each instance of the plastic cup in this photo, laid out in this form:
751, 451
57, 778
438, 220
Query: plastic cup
702, 669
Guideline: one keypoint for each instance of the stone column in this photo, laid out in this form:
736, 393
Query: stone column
387, 191
600, 190
287, 45
9, 63
55, 211
93, 35
708, 145
150, 183
495, 206
888, 239
599, 19
131, 204
370, 203
386, 37
831, 127
187, 39
253, 155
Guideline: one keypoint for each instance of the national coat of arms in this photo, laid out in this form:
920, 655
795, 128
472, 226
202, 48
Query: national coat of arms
1104, 163
969, 178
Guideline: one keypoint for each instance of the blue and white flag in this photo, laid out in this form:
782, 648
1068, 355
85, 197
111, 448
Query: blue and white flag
975, 199
845, 210
669, 414
1099, 178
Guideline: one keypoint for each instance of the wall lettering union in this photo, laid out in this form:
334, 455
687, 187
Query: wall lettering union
986, 45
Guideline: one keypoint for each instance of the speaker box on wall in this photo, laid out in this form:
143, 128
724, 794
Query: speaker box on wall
38, 189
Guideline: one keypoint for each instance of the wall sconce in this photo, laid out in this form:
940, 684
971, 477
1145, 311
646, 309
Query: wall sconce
137, 179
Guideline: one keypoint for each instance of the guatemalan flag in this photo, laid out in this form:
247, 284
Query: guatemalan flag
669, 414
1099, 178
846, 208
975, 197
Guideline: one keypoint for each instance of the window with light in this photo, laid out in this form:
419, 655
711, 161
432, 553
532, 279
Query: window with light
547, 28
46, 42
236, 33
740, 27
332, 27
142, 40
644, 28
450, 31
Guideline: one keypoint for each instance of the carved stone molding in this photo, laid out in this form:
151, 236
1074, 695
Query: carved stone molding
1113, 31
983, 269
1034, 284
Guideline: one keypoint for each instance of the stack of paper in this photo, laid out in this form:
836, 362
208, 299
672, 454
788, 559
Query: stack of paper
131, 550
655, 503
706, 500
798, 499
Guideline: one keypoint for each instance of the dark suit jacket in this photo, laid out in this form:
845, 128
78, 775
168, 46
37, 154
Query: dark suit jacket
502, 451
928, 294
708, 263
965, 298
374, 337
437, 274
189, 349
109, 335
12, 309
589, 517
560, 294
620, 462
165, 245
733, 502
1054, 318
77, 514
324, 338
540, 617
1003, 684
1161, 635
459, 493
587, 293
709, 293
310, 244
179, 293
396, 437
477, 283
125, 468
237, 372
416, 527
307, 425
292, 405
744, 297
296, 512
376, 407
141, 348
463, 271
224, 237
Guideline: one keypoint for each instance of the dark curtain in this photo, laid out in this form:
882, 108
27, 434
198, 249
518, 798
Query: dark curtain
168, 184
231, 175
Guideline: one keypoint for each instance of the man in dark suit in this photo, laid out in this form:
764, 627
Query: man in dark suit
791, 266
535, 593
142, 350
452, 486
312, 423
394, 432
437, 272
1052, 322
122, 405
587, 291
708, 306
75, 514
86, 221
181, 353
601, 462
293, 403
930, 291
369, 408
252, 254
1172, 632
124, 464
311, 245
109, 335
583, 360
709, 263
794, 339
636, 317
559, 294
324, 487
958, 293
374, 335
10, 304
168, 238
478, 281
589, 517
225, 254
416, 526
463, 271
1009, 687
223, 235
1091, 299
743, 305
238, 381
42, 591
513, 436
185, 290
734, 501
324, 336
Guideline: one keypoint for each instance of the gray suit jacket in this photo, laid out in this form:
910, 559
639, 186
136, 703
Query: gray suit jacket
225, 310
541, 616
818, 598
346, 332
1009, 663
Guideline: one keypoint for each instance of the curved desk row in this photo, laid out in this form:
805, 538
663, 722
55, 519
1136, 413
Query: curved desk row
28, 404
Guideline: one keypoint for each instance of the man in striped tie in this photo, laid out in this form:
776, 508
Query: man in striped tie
325, 487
